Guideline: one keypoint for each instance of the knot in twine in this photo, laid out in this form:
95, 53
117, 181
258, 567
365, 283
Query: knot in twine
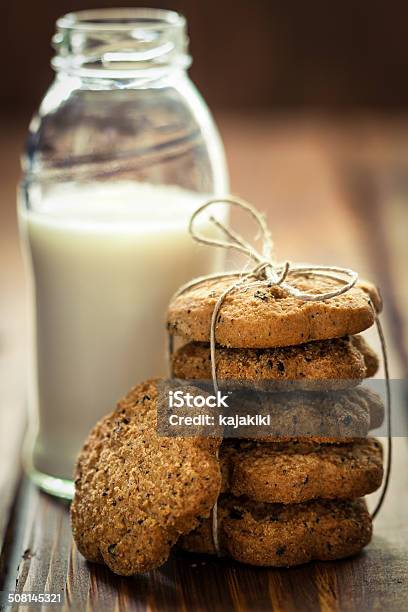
267, 272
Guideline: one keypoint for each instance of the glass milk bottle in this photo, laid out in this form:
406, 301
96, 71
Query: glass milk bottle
120, 153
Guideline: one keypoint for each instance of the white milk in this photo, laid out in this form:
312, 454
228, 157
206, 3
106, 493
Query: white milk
105, 260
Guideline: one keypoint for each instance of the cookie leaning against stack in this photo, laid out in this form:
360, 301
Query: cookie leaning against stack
136, 491
288, 500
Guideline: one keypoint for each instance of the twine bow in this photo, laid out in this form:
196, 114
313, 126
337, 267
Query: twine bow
268, 273
265, 273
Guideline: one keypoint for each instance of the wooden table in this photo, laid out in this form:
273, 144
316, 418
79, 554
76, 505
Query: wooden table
335, 191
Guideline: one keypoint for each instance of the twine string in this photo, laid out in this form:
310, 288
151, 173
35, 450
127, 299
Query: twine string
268, 273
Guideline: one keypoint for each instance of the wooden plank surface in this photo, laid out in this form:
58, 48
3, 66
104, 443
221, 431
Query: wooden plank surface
43, 558
334, 192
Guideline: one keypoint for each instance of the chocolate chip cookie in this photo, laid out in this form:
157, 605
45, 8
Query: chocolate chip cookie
136, 492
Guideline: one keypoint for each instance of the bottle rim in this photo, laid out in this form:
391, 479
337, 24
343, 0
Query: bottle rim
120, 19
120, 43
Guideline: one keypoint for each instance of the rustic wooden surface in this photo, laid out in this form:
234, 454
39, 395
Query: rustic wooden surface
334, 191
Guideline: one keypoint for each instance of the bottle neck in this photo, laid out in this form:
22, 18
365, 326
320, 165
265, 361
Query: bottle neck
121, 43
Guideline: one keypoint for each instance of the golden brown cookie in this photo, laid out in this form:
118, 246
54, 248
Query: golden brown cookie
338, 417
136, 492
269, 317
370, 357
299, 471
284, 535
376, 408
340, 360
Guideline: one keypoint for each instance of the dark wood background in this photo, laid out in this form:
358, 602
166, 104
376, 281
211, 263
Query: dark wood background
293, 54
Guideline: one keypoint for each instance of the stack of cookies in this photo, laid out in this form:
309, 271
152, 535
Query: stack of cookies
283, 497
297, 495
